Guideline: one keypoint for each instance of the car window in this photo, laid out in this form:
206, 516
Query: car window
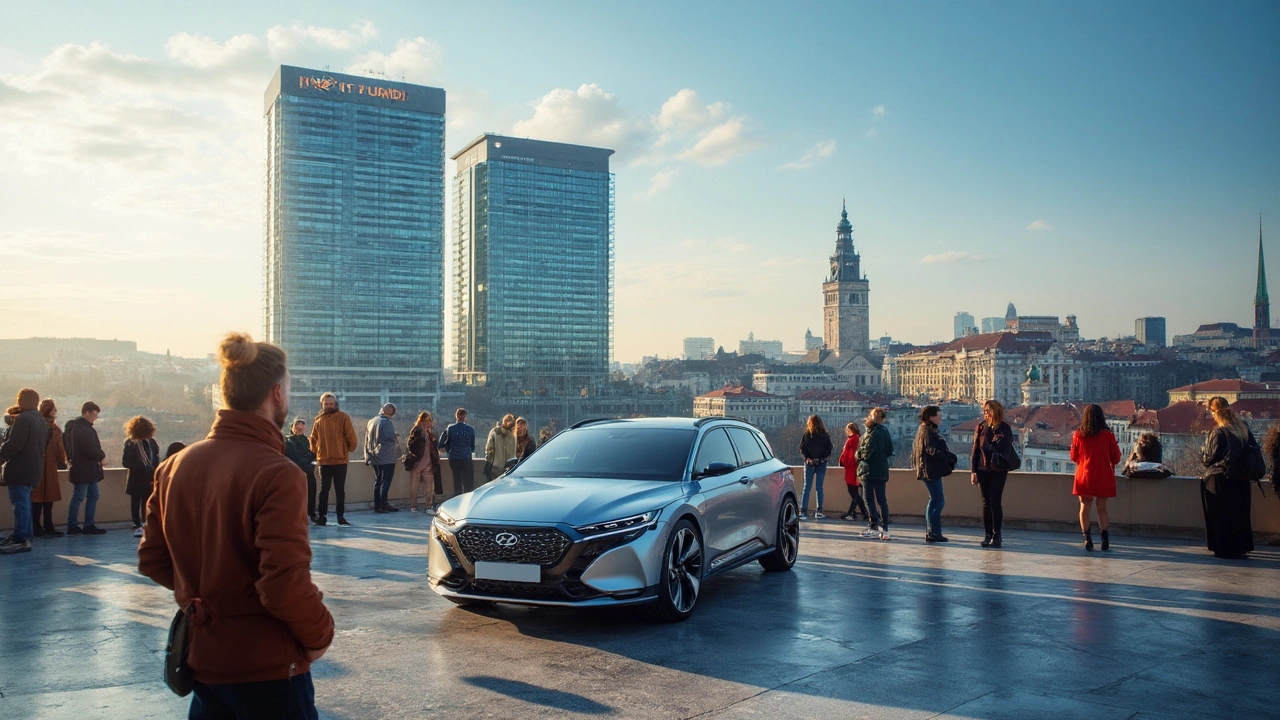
715, 447
613, 451
744, 441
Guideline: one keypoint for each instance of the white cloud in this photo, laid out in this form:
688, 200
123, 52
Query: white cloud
811, 156
1040, 225
202, 52
721, 144
282, 39
685, 110
873, 133
587, 116
660, 181
415, 61
952, 256
878, 111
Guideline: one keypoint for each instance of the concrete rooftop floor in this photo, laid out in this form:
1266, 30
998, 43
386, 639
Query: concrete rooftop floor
1040, 629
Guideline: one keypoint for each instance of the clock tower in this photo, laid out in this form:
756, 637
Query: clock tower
846, 324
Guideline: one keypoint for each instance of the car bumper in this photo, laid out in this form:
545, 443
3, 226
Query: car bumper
591, 572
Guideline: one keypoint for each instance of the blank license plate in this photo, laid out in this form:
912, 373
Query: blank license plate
512, 572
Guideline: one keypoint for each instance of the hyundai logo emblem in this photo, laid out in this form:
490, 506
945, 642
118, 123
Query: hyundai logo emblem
506, 539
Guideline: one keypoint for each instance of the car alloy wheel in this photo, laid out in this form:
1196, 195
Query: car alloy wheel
787, 545
681, 574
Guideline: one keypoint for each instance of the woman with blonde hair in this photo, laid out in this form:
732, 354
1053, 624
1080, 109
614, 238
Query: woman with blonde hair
1224, 489
816, 447
422, 460
141, 456
873, 455
992, 458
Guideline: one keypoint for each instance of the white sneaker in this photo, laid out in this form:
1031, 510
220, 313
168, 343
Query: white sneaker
819, 516
430, 511
871, 533
137, 532
804, 516
413, 509
884, 535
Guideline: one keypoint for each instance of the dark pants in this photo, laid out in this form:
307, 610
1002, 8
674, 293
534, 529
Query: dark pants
877, 501
992, 486
464, 475
311, 493
382, 475
137, 509
933, 509
42, 516
292, 699
334, 476
855, 495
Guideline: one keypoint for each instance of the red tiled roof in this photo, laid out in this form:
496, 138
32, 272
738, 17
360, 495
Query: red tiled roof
1120, 409
736, 391
1221, 327
1012, 342
1184, 417
967, 426
839, 395
1258, 408
1222, 386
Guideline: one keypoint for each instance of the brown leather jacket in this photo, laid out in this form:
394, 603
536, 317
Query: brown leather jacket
55, 459
227, 524
333, 438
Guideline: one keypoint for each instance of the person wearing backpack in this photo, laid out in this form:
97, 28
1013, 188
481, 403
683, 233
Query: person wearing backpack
1224, 489
932, 461
1095, 452
992, 459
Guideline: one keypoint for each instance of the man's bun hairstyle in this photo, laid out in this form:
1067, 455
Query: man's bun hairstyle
249, 371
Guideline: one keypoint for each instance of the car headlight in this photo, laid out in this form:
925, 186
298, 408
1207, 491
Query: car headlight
634, 522
445, 519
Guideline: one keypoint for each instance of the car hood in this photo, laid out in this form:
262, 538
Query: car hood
575, 501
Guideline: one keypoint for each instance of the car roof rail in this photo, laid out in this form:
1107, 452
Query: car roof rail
590, 421
703, 421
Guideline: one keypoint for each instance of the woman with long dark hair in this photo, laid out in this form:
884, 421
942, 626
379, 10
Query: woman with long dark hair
525, 443
423, 463
1095, 452
991, 460
1224, 489
932, 461
141, 456
815, 446
849, 461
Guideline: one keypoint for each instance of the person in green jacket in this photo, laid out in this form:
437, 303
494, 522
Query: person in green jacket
873, 470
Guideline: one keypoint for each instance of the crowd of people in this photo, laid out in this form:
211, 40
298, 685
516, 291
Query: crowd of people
1232, 457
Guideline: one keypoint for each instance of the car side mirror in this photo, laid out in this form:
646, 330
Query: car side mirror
512, 462
715, 469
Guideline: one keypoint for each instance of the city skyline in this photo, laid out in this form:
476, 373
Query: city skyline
1080, 169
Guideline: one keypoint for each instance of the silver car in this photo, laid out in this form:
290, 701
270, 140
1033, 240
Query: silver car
618, 512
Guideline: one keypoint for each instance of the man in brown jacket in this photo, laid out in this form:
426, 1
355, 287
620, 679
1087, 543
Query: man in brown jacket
333, 439
227, 532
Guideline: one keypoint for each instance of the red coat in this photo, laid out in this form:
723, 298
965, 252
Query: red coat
226, 523
849, 460
1095, 458
55, 459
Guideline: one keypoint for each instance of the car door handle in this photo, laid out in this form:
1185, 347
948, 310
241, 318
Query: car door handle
744, 479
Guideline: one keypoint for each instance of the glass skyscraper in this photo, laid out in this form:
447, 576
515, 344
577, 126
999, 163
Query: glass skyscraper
354, 253
533, 265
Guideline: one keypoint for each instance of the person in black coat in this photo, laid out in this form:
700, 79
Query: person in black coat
525, 443
141, 457
22, 453
932, 461
991, 460
1224, 489
297, 447
87, 460
816, 447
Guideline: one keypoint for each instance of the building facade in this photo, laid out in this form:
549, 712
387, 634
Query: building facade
992, 324
798, 379
771, 349
963, 325
847, 324
355, 237
980, 367
1150, 331
699, 348
533, 265
760, 409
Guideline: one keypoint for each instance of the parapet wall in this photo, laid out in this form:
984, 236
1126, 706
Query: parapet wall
1168, 507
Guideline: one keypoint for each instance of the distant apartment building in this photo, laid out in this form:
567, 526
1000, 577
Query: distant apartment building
760, 409
797, 379
992, 325
1150, 331
771, 349
811, 341
1068, 332
981, 367
1216, 336
1231, 390
355, 237
963, 325
837, 408
699, 348
533, 264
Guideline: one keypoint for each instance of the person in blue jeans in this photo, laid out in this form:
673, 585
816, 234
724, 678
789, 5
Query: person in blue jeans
459, 441
86, 457
815, 446
932, 462
22, 454
381, 448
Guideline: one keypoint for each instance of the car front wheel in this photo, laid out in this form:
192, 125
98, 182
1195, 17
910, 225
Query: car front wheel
681, 574
786, 546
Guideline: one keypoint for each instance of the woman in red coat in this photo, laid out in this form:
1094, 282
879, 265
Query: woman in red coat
1095, 452
849, 461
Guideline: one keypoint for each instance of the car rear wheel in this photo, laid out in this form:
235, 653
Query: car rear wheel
787, 545
681, 574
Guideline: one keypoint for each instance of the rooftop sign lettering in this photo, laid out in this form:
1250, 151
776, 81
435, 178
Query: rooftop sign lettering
328, 84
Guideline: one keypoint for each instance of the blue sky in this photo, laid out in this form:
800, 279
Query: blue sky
1107, 160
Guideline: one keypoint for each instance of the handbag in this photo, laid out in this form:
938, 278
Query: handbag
177, 675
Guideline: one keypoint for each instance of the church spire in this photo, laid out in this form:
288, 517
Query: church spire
1261, 296
1261, 302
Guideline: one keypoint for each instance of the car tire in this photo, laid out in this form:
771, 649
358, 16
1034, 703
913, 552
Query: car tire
786, 546
682, 572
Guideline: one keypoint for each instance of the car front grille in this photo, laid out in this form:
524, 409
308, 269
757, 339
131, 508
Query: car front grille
533, 546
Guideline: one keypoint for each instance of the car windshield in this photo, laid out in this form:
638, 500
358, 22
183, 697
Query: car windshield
613, 451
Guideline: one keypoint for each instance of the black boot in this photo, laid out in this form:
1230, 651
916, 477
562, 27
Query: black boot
1088, 539
995, 540
1106, 540
986, 541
